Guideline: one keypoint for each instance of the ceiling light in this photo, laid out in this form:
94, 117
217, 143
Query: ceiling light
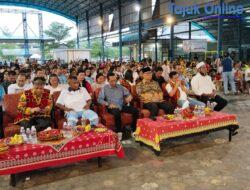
170, 20
137, 8
100, 22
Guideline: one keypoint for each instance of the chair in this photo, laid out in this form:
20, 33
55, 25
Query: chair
144, 113
107, 119
58, 114
10, 103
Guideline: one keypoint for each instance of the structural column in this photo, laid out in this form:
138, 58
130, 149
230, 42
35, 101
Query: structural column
219, 38
41, 36
101, 16
77, 33
139, 30
25, 35
240, 38
171, 43
156, 50
190, 36
88, 33
120, 29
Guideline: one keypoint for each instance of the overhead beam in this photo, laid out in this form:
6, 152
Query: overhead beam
64, 4
36, 6
78, 5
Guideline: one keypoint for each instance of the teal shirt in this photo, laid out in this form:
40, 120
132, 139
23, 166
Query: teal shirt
2, 93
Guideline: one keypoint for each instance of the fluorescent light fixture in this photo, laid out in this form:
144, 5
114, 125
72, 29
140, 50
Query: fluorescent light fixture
180, 45
137, 8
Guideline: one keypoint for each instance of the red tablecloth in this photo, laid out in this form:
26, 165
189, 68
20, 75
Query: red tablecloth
34, 156
152, 132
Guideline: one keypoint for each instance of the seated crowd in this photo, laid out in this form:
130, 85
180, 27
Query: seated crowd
84, 87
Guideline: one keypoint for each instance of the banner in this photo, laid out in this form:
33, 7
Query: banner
194, 46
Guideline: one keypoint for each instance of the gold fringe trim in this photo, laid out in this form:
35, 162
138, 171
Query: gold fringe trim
156, 144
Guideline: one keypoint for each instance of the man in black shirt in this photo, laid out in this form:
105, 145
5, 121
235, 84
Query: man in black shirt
158, 76
11, 79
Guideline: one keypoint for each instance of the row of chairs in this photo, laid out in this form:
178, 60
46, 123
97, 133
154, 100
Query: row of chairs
10, 103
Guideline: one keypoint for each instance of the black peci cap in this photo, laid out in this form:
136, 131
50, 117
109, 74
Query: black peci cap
146, 69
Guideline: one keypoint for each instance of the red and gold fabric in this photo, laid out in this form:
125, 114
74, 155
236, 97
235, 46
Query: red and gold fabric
152, 132
29, 100
88, 145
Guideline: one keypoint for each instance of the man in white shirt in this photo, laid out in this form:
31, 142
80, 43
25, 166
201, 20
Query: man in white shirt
73, 101
204, 88
20, 85
247, 77
166, 70
179, 93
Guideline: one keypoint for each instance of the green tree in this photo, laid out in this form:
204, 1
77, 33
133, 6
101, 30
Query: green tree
71, 43
58, 31
96, 48
7, 46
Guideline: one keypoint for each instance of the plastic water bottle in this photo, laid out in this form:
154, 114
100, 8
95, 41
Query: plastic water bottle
65, 129
23, 134
28, 133
33, 135
208, 104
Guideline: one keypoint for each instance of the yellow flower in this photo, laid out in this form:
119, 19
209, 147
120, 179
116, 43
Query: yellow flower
27, 111
138, 130
157, 139
87, 128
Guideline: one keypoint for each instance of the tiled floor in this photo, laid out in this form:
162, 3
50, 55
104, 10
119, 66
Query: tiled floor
207, 162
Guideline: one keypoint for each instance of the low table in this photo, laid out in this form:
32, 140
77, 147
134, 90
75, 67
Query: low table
88, 145
152, 133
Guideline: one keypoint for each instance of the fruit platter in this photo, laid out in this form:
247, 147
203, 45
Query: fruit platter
50, 135
82, 128
13, 141
169, 116
208, 111
187, 113
3, 147
100, 129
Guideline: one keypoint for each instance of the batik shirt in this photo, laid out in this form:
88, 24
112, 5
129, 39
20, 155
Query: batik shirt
149, 91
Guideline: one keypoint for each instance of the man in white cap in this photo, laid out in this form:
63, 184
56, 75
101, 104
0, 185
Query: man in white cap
204, 88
